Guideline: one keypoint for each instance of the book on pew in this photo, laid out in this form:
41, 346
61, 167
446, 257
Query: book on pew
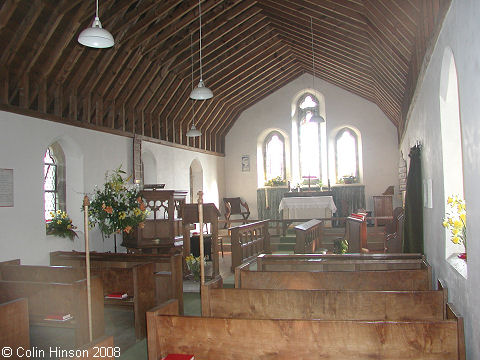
58, 317
179, 357
117, 295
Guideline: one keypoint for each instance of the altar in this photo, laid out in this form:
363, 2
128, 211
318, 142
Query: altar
313, 207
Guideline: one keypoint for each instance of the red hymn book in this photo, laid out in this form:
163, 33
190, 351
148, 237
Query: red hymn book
179, 357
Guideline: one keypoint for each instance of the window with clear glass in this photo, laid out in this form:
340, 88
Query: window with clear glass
50, 183
346, 151
274, 155
309, 136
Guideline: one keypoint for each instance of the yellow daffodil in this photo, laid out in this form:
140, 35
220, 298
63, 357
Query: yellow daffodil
464, 218
59, 222
449, 200
445, 223
455, 239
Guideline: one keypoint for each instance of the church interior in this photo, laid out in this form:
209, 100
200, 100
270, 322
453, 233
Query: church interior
320, 155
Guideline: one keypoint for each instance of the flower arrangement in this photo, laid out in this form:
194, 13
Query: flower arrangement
276, 181
193, 264
456, 220
61, 225
118, 206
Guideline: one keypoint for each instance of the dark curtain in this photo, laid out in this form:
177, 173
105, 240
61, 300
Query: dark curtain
413, 226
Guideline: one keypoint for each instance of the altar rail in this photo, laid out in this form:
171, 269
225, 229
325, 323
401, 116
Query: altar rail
248, 241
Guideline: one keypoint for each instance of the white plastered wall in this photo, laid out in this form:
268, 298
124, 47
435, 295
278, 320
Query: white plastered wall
89, 154
460, 33
342, 108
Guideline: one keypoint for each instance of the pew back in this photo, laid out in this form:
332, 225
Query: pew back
323, 304
417, 279
60, 274
248, 241
242, 339
335, 262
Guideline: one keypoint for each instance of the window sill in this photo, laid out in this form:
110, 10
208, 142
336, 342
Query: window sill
458, 264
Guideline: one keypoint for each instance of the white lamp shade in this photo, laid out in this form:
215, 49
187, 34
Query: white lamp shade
193, 132
96, 37
201, 92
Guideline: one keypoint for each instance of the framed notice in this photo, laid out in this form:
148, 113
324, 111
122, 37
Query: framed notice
6, 187
245, 162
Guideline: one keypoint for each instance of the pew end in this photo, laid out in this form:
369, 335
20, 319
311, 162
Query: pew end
453, 314
169, 307
14, 325
206, 288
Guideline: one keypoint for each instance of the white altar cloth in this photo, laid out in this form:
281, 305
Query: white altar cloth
312, 207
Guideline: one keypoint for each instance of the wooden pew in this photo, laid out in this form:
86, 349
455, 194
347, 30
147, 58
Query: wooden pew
248, 241
323, 304
210, 338
101, 348
55, 290
168, 269
132, 277
413, 279
14, 327
308, 236
337, 262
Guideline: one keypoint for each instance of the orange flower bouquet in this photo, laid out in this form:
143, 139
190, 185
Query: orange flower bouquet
118, 207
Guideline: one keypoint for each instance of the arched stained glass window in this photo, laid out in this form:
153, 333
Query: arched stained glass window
309, 136
50, 184
274, 155
54, 180
346, 151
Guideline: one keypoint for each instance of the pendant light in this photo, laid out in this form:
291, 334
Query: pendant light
315, 117
95, 36
193, 132
201, 92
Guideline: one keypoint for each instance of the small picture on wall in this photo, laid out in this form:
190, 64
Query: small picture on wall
245, 162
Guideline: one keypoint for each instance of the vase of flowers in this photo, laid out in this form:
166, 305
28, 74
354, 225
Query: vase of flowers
456, 222
61, 225
193, 264
118, 206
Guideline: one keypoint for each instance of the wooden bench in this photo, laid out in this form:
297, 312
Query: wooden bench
101, 348
308, 237
168, 269
248, 241
412, 279
14, 326
322, 304
212, 338
135, 278
55, 290
337, 262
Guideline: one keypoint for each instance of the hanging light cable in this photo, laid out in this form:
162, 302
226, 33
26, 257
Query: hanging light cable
193, 132
201, 92
315, 116
95, 36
